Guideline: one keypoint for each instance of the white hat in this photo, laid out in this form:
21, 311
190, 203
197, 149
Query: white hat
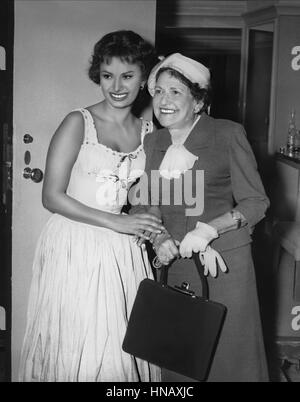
191, 69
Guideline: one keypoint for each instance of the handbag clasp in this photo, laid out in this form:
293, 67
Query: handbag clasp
184, 288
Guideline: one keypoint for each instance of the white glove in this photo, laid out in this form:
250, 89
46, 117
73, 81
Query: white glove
211, 259
197, 239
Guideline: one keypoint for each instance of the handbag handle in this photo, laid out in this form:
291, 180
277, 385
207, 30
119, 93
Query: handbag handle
205, 290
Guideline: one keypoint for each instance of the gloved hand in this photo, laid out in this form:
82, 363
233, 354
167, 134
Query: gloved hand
211, 260
197, 239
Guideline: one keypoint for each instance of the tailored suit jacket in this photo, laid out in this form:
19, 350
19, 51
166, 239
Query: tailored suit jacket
228, 178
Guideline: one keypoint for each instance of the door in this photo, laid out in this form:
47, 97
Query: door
53, 43
258, 95
219, 49
6, 91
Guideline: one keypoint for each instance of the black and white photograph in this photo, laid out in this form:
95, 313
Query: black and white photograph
150, 194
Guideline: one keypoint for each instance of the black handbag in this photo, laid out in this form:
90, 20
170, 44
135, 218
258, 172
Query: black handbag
174, 329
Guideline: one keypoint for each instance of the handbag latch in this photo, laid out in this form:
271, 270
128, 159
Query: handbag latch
185, 288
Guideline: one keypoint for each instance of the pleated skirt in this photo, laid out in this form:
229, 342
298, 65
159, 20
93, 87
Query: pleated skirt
83, 287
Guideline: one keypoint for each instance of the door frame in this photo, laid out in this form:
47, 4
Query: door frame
6, 126
260, 19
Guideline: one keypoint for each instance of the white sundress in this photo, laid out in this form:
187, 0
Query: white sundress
85, 278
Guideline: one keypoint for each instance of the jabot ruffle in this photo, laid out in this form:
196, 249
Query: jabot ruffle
177, 159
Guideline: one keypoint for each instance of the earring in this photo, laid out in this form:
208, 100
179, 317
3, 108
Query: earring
142, 87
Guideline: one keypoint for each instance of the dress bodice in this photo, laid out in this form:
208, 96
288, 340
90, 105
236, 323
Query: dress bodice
102, 177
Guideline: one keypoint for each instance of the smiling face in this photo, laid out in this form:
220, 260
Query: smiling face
120, 82
173, 104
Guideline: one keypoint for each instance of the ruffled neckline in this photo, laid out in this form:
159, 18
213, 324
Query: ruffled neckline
111, 150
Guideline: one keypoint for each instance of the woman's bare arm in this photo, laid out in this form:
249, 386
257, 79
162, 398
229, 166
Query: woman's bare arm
62, 154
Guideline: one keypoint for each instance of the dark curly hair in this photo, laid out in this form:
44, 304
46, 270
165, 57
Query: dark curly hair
126, 45
198, 93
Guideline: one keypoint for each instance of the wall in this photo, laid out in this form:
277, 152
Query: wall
256, 4
53, 43
199, 13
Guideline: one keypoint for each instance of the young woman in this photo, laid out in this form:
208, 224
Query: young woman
87, 267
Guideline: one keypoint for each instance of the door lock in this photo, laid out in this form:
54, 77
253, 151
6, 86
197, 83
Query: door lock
36, 175
27, 139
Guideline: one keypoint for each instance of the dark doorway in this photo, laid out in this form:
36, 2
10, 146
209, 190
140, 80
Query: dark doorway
219, 49
6, 127
258, 97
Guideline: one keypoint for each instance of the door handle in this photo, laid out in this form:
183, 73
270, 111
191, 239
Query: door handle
36, 175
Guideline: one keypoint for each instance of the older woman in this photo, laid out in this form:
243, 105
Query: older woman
197, 154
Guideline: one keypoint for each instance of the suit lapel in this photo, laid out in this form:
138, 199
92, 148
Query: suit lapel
163, 140
202, 135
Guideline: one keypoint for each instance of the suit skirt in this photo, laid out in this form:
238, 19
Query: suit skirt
240, 353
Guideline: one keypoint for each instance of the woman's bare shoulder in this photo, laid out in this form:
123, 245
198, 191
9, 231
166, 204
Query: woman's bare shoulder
70, 130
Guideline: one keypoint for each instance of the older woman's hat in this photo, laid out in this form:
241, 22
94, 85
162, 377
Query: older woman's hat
191, 69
